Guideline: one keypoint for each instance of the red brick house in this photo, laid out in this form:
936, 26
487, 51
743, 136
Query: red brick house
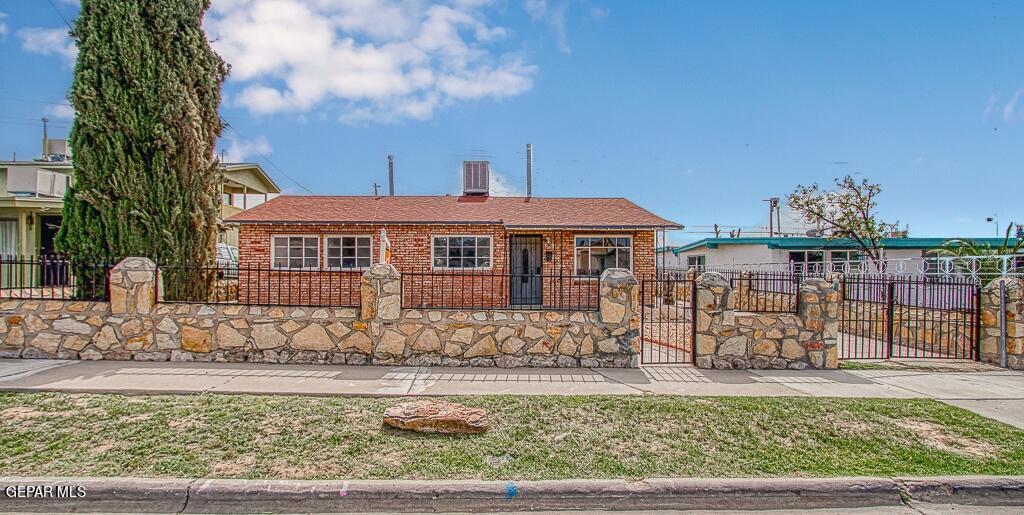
453, 251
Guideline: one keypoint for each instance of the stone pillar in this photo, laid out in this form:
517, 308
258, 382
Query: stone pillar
991, 322
715, 320
818, 312
133, 287
380, 294
619, 311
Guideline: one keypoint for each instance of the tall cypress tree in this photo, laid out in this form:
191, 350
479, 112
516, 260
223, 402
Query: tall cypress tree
146, 90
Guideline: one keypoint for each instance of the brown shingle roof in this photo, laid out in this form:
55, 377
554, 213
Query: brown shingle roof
508, 211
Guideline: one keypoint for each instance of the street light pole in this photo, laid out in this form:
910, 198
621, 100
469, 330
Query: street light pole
994, 219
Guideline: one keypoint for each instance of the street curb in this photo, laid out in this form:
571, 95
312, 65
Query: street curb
114, 495
218, 496
965, 490
247, 496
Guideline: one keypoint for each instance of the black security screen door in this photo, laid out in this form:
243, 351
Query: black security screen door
525, 265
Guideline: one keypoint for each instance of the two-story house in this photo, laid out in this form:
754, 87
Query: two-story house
32, 196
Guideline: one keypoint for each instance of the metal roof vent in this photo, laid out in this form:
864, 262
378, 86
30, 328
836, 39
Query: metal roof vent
476, 178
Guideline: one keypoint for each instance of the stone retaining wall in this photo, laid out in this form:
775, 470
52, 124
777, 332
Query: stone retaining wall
727, 338
134, 327
929, 329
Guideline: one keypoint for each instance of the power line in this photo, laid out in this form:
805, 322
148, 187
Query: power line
270, 162
66, 22
7, 98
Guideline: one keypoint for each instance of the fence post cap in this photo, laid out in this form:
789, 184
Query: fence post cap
136, 263
618, 277
382, 271
1011, 283
815, 283
712, 279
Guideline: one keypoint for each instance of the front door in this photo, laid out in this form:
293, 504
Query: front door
53, 271
525, 265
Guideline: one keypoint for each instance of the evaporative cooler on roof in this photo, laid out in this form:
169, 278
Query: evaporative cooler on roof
476, 177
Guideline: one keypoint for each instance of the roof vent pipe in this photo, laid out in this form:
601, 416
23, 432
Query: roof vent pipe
529, 170
391, 175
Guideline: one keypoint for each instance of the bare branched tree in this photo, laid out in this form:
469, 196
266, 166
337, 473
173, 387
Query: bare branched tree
848, 211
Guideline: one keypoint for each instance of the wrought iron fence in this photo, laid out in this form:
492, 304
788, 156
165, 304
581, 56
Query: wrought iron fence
50, 277
766, 292
973, 267
498, 289
908, 317
259, 285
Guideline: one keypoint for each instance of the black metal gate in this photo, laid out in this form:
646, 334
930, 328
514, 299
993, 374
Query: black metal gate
883, 317
668, 319
525, 280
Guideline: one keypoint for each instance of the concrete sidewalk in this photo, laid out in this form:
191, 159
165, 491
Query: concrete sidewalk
998, 395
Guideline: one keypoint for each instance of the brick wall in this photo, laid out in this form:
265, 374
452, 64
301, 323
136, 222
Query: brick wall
411, 255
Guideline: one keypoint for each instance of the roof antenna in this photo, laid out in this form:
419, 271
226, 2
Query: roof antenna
391, 175
376, 190
46, 139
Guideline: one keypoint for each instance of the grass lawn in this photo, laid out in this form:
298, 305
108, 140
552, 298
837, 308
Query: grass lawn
532, 438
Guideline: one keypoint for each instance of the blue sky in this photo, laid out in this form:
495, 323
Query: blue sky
695, 110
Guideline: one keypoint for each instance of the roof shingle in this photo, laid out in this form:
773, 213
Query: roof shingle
521, 212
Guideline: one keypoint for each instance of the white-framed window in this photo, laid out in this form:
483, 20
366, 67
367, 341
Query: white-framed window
851, 256
460, 252
697, 261
348, 252
595, 254
806, 261
300, 251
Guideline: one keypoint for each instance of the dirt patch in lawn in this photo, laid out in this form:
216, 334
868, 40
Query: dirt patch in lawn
939, 438
19, 413
235, 468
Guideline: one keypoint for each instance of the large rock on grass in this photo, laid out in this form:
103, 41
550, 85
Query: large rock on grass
436, 416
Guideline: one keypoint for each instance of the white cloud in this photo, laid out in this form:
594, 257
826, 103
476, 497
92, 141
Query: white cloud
553, 15
239, 150
3, 25
49, 42
1010, 112
59, 111
376, 60
990, 106
599, 14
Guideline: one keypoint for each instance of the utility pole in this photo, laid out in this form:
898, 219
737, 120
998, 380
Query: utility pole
773, 215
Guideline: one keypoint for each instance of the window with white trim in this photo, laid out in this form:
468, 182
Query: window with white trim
461, 252
299, 251
595, 254
696, 261
348, 252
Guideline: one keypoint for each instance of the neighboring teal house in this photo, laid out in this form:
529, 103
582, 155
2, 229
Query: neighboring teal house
800, 251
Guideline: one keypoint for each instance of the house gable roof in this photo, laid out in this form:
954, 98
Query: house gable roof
512, 212
250, 175
825, 243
